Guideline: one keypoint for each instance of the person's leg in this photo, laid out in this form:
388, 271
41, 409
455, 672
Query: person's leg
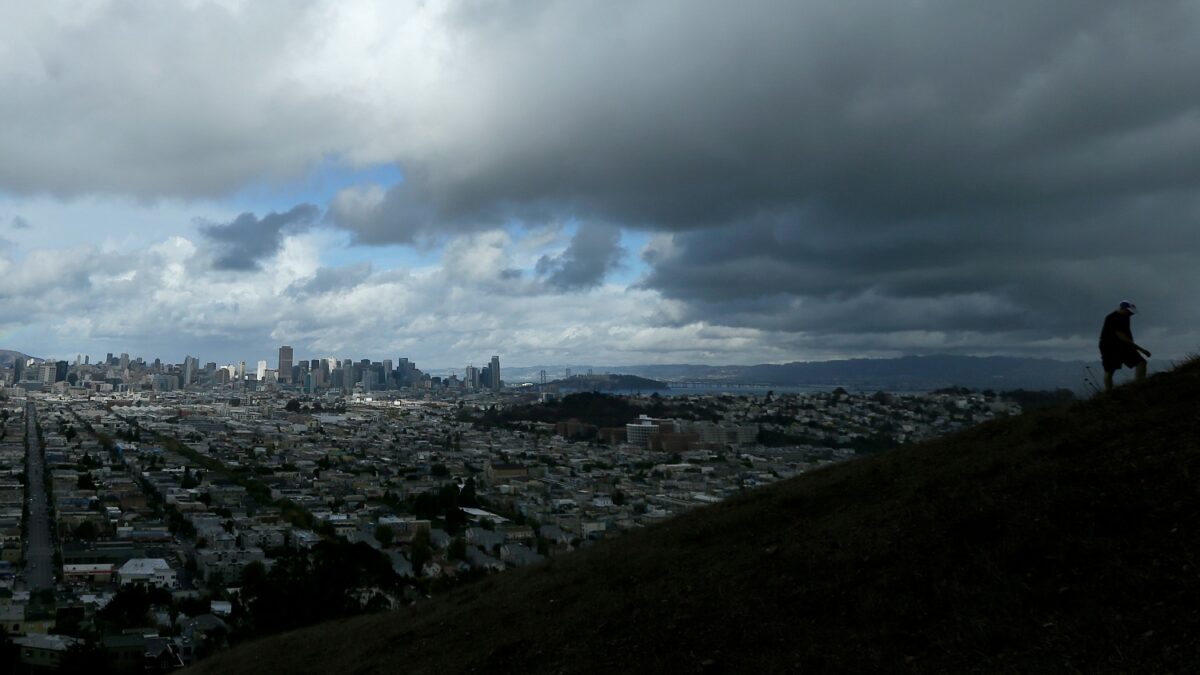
1108, 380
1141, 371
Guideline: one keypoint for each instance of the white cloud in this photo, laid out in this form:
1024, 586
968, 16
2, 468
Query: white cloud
167, 301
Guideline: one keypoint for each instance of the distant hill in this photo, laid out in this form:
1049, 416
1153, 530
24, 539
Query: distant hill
608, 382
7, 356
1059, 541
909, 373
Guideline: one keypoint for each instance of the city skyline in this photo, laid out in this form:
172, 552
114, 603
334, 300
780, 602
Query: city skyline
125, 372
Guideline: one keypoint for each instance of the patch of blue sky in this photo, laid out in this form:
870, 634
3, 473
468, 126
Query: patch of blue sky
632, 268
109, 223
318, 186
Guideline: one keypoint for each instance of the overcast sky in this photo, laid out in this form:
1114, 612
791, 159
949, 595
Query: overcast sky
597, 182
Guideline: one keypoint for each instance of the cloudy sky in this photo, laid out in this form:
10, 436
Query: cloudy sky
597, 182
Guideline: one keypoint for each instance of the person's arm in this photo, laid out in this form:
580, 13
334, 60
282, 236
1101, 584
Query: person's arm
1124, 337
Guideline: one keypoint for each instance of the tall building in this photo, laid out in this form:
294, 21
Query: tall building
261, 371
495, 372
472, 377
285, 364
190, 365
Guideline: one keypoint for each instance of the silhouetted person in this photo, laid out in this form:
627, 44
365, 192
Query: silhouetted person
1117, 347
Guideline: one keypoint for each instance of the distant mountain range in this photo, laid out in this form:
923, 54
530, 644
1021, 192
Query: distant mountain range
908, 373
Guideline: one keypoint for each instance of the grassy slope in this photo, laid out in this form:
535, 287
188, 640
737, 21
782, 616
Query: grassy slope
1061, 541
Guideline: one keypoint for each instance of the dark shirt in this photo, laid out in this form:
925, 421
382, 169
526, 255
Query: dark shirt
1115, 323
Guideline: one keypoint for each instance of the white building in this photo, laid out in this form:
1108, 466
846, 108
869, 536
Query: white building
640, 433
151, 571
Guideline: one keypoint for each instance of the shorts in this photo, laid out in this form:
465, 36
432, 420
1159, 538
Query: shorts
1114, 359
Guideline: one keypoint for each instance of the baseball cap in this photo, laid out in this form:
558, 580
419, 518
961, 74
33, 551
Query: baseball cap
1129, 306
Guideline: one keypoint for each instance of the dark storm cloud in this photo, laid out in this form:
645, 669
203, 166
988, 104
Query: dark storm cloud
1028, 274
873, 108
240, 244
593, 251
842, 168
331, 280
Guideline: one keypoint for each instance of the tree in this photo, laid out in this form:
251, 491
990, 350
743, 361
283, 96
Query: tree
86, 657
421, 551
131, 605
254, 575
9, 652
467, 496
292, 406
455, 520
86, 531
385, 534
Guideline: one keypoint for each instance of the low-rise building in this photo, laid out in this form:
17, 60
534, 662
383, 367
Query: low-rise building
150, 571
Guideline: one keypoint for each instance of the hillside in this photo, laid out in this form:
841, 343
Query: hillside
608, 382
1061, 541
7, 356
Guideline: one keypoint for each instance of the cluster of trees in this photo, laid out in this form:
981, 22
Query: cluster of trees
302, 589
131, 606
129, 609
446, 505
591, 408
296, 405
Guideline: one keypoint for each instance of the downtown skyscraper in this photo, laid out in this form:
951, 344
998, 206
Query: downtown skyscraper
284, 373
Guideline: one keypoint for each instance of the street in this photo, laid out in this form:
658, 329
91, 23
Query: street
39, 547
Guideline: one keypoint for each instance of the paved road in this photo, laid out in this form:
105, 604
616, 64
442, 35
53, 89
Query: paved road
39, 548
